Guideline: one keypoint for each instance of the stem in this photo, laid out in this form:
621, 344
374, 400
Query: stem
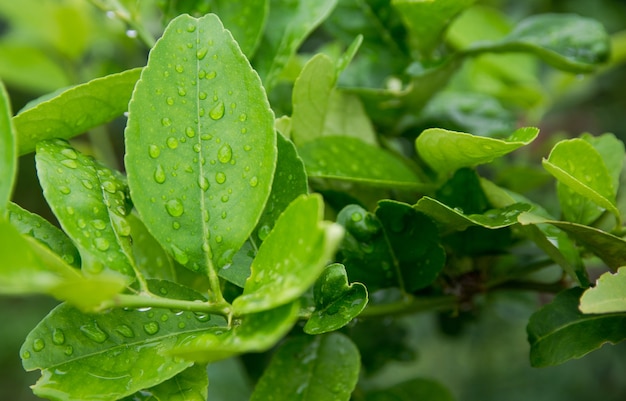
411, 304
144, 301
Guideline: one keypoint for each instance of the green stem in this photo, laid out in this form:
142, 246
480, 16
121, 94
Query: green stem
145, 301
411, 304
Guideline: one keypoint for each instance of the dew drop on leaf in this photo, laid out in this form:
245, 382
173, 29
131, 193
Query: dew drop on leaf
109, 186
65, 190
217, 112
190, 132
98, 224
170, 101
26, 355
254, 181
69, 153
191, 28
179, 255
69, 163
159, 174
225, 154
174, 207
69, 350
202, 95
356, 216
87, 184
203, 183
172, 142
225, 198
243, 117
38, 344
94, 332
202, 317
166, 122
179, 68
125, 331
151, 328
201, 53
211, 75
220, 178
264, 231
102, 244
58, 337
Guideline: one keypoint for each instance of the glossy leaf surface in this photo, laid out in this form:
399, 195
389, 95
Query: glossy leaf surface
336, 301
8, 150
190, 385
320, 368
559, 331
609, 294
75, 110
446, 151
201, 145
246, 21
291, 258
416, 389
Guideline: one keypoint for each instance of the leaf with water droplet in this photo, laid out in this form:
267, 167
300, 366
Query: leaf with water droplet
8, 150
208, 187
319, 368
75, 110
106, 361
150, 257
291, 258
189, 385
336, 301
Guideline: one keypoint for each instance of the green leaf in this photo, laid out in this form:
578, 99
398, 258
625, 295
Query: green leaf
201, 145
576, 164
288, 24
446, 151
346, 116
350, 159
426, 21
190, 384
291, 258
8, 150
566, 41
559, 332
611, 150
77, 194
609, 294
415, 389
30, 68
256, 332
150, 258
75, 110
244, 20
414, 240
336, 301
320, 368
111, 355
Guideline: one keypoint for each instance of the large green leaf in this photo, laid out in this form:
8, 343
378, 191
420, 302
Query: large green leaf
415, 389
75, 110
245, 20
609, 294
291, 258
320, 368
201, 145
559, 331
446, 151
8, 150
190, 385
350, 159
111, 355
336, 301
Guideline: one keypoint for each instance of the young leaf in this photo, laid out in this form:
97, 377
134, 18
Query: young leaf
245, 21
415, 389
8, 150
190, 384
201, 145
346, 116
446, 151
350, 159
559, 332
320, 368
609, 294
77, 195
579, 166
611, 150
112, 355
289, 23
336, 302
75, 110
291, 258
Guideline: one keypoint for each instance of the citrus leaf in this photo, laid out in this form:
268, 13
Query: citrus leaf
336, 301
320, 368
76, 194
559, 332
609, 294
415, 389
350, 159
346, 116
111, 355
244, 20
190, 384
200, 172
8, 150
611, 150
291, 258
446, 151
256, 332
75, 110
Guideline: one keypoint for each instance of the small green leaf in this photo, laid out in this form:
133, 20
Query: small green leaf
245, 20
200, 172
576, 164
291, 258
288, 24
320, 368
559, 332
611, 150
350, 159
609, 294
566, 41
238, 271
346, 116
336, 302
446, 151
190, 384
75, 110
150, 258
415, 389
8, 150
256, 332
77, 195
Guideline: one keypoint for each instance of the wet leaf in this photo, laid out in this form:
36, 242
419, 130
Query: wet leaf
150, 258
8, 150
201, 171
191, 384
446, 151
415, 389
609, 294
320, 368
559, 332
336, 301
291, 258
75, 110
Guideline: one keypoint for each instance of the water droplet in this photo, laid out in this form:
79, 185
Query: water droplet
166, 122
179, 68
217, 112
26, 355
172, 142
87, 184
102, 244
154, 151
69, 163
254, 181
356, 217
202, 317
197, 147
175, 225
202, 95
169, 101
174, 207
69, 350
164, 318
203, 183
205, 215
201, 53
201, 74
58, 337
98, 224
131, 33
94, 332
65, 190
224, 154
109, 186
125, 331
190, 132
179, 255
211, 75
159, 174
243, 117
225, 198
181, 325
247, 148
220, 178
218, 239
151, 328
264, 231
38, 344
